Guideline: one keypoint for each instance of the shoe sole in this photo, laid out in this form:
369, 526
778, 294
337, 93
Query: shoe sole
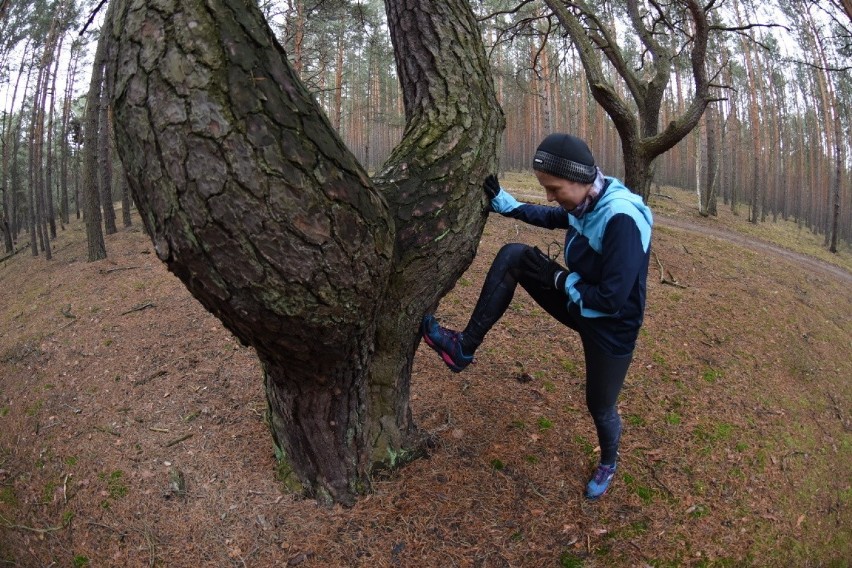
444, 355
590, 498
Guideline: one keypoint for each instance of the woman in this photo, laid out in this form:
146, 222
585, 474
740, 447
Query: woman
599, 293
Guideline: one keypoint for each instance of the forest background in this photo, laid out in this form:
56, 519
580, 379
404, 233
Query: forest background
779, 131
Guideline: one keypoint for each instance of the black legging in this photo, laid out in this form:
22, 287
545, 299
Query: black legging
604, 373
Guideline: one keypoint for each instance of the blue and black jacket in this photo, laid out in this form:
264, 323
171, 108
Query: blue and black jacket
607, 250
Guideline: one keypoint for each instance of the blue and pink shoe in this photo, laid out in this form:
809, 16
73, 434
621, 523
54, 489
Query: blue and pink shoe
600, 481
445, 342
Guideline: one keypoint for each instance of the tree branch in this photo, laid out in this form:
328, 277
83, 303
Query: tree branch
92, 17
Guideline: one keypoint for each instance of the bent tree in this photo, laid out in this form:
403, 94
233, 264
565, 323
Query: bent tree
251, 198
665, 32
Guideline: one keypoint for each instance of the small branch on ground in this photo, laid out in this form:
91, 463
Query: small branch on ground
13, 253
141, 382
660, 483
140, 307
10, 525
65, 488
177, 440
839, 413
120, 268
108, 430
671, 280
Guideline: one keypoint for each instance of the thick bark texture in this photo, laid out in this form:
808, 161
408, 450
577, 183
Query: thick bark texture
433, 184
254, 202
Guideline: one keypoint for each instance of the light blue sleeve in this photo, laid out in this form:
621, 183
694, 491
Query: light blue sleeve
504, 203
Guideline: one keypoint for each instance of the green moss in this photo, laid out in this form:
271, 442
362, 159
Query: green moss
570, 560
33, 409
8, 497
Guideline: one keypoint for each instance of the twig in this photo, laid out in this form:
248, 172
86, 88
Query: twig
159, 373
139, 308
120, 268
164, 430
108, 430
113, 529
92, 17
11, 254
672, 281
65, 488
838, 413
146, 534
11, 525
533, 488
177, 440
660, 483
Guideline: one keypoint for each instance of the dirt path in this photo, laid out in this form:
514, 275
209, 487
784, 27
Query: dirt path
755, 244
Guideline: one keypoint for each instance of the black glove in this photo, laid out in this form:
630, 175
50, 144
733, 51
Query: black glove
491, 187
539, 267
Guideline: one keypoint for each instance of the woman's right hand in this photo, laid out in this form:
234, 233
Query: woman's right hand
491, 187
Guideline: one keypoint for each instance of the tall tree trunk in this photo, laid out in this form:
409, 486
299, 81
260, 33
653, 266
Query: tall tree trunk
91, 193
707, 206
33, 169
65, 132
255, 203
120, 181
105, 158
8, 131
48, 185
338, 82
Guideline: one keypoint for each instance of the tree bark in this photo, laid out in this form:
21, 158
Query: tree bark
105, 158
255, 203
48, 161
9, 210
91, 196
65, 145
707, 205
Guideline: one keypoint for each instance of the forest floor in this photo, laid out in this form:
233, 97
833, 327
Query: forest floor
737, 410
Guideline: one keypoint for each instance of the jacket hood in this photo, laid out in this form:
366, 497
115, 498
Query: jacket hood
616, 190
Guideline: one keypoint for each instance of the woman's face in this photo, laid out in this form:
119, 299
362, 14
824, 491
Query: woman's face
568, 194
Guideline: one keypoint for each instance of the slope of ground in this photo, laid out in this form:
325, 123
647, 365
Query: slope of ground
115, 385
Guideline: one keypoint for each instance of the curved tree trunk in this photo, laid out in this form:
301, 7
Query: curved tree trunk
638, 122
254, 202
432, 182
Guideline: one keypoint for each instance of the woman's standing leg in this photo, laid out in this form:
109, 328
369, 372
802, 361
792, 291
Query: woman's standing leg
604, 379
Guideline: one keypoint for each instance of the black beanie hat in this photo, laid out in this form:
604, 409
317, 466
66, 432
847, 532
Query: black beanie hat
567, 157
